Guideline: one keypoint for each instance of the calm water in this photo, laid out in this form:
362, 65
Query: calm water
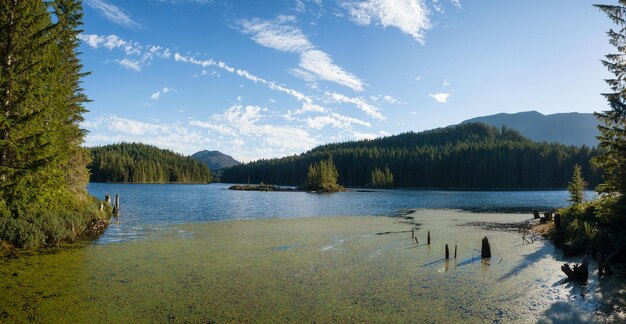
147, 209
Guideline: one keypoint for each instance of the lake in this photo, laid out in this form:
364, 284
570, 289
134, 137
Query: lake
149, 209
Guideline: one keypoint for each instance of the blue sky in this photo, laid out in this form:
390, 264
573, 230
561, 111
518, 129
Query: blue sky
262, 79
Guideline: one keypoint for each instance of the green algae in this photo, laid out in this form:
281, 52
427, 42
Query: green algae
323, 269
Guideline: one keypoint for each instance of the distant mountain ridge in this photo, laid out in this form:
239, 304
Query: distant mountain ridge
215, 160
565, 128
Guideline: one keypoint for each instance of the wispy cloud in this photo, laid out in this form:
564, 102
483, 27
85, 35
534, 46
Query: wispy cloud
113, 13
440, 97
410, 16
320, 64
369, 109
282, 34
277, 34
129, 64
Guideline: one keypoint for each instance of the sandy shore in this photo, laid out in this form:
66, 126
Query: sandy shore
307, 269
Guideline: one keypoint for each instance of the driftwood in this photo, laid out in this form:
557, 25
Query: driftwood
578, 273
485, 251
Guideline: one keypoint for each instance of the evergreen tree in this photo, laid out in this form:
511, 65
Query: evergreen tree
43, 175
612, 137
577, 186
322, 176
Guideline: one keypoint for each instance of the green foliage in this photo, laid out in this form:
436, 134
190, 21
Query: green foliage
382, 179
43, 174
466, 156
134, 162
322, 177
612, 159
577, 186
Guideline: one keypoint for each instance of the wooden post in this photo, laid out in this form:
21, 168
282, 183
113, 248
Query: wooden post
557, 220
536, 214
486, 249
428, 240
447, 252
412, 232
116, 207
455, 251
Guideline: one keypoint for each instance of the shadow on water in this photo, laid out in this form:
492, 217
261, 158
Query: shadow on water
528, 260
434, 262
562, 312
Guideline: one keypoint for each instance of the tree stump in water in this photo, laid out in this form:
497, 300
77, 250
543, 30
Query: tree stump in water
447, 252
455, 251
578, 273
116, 207
428, 239
485, 251
557, 221
536, 214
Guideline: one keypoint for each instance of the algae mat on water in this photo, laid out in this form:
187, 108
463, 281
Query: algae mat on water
291, 270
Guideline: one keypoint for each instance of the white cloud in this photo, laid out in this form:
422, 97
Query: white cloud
334, 120
157, 95
410, 16
281, 34
360, 103
218, 128
446, 83
320, 64
277, 34
113, 13
129, 64
440, 97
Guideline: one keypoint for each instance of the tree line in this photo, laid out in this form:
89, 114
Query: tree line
467, 156
142, 163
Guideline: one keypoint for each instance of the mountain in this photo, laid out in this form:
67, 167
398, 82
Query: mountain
465, 156
215, 159
566, 128
141, 163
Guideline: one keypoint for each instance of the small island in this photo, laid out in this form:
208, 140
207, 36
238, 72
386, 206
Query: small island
321, 177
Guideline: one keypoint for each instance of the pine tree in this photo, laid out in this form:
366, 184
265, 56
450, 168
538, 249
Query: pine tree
43, 175
322, 176
577, 186
612, 159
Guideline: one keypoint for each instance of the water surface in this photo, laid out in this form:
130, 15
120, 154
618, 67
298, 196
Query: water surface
149, 209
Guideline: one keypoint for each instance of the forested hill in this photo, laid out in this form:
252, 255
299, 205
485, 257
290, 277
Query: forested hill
565, 128
141, 163
466, 156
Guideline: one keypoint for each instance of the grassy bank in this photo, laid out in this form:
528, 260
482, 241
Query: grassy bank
41, 225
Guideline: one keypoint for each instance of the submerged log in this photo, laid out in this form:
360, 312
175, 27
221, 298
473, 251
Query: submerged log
577, 273
485, 251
